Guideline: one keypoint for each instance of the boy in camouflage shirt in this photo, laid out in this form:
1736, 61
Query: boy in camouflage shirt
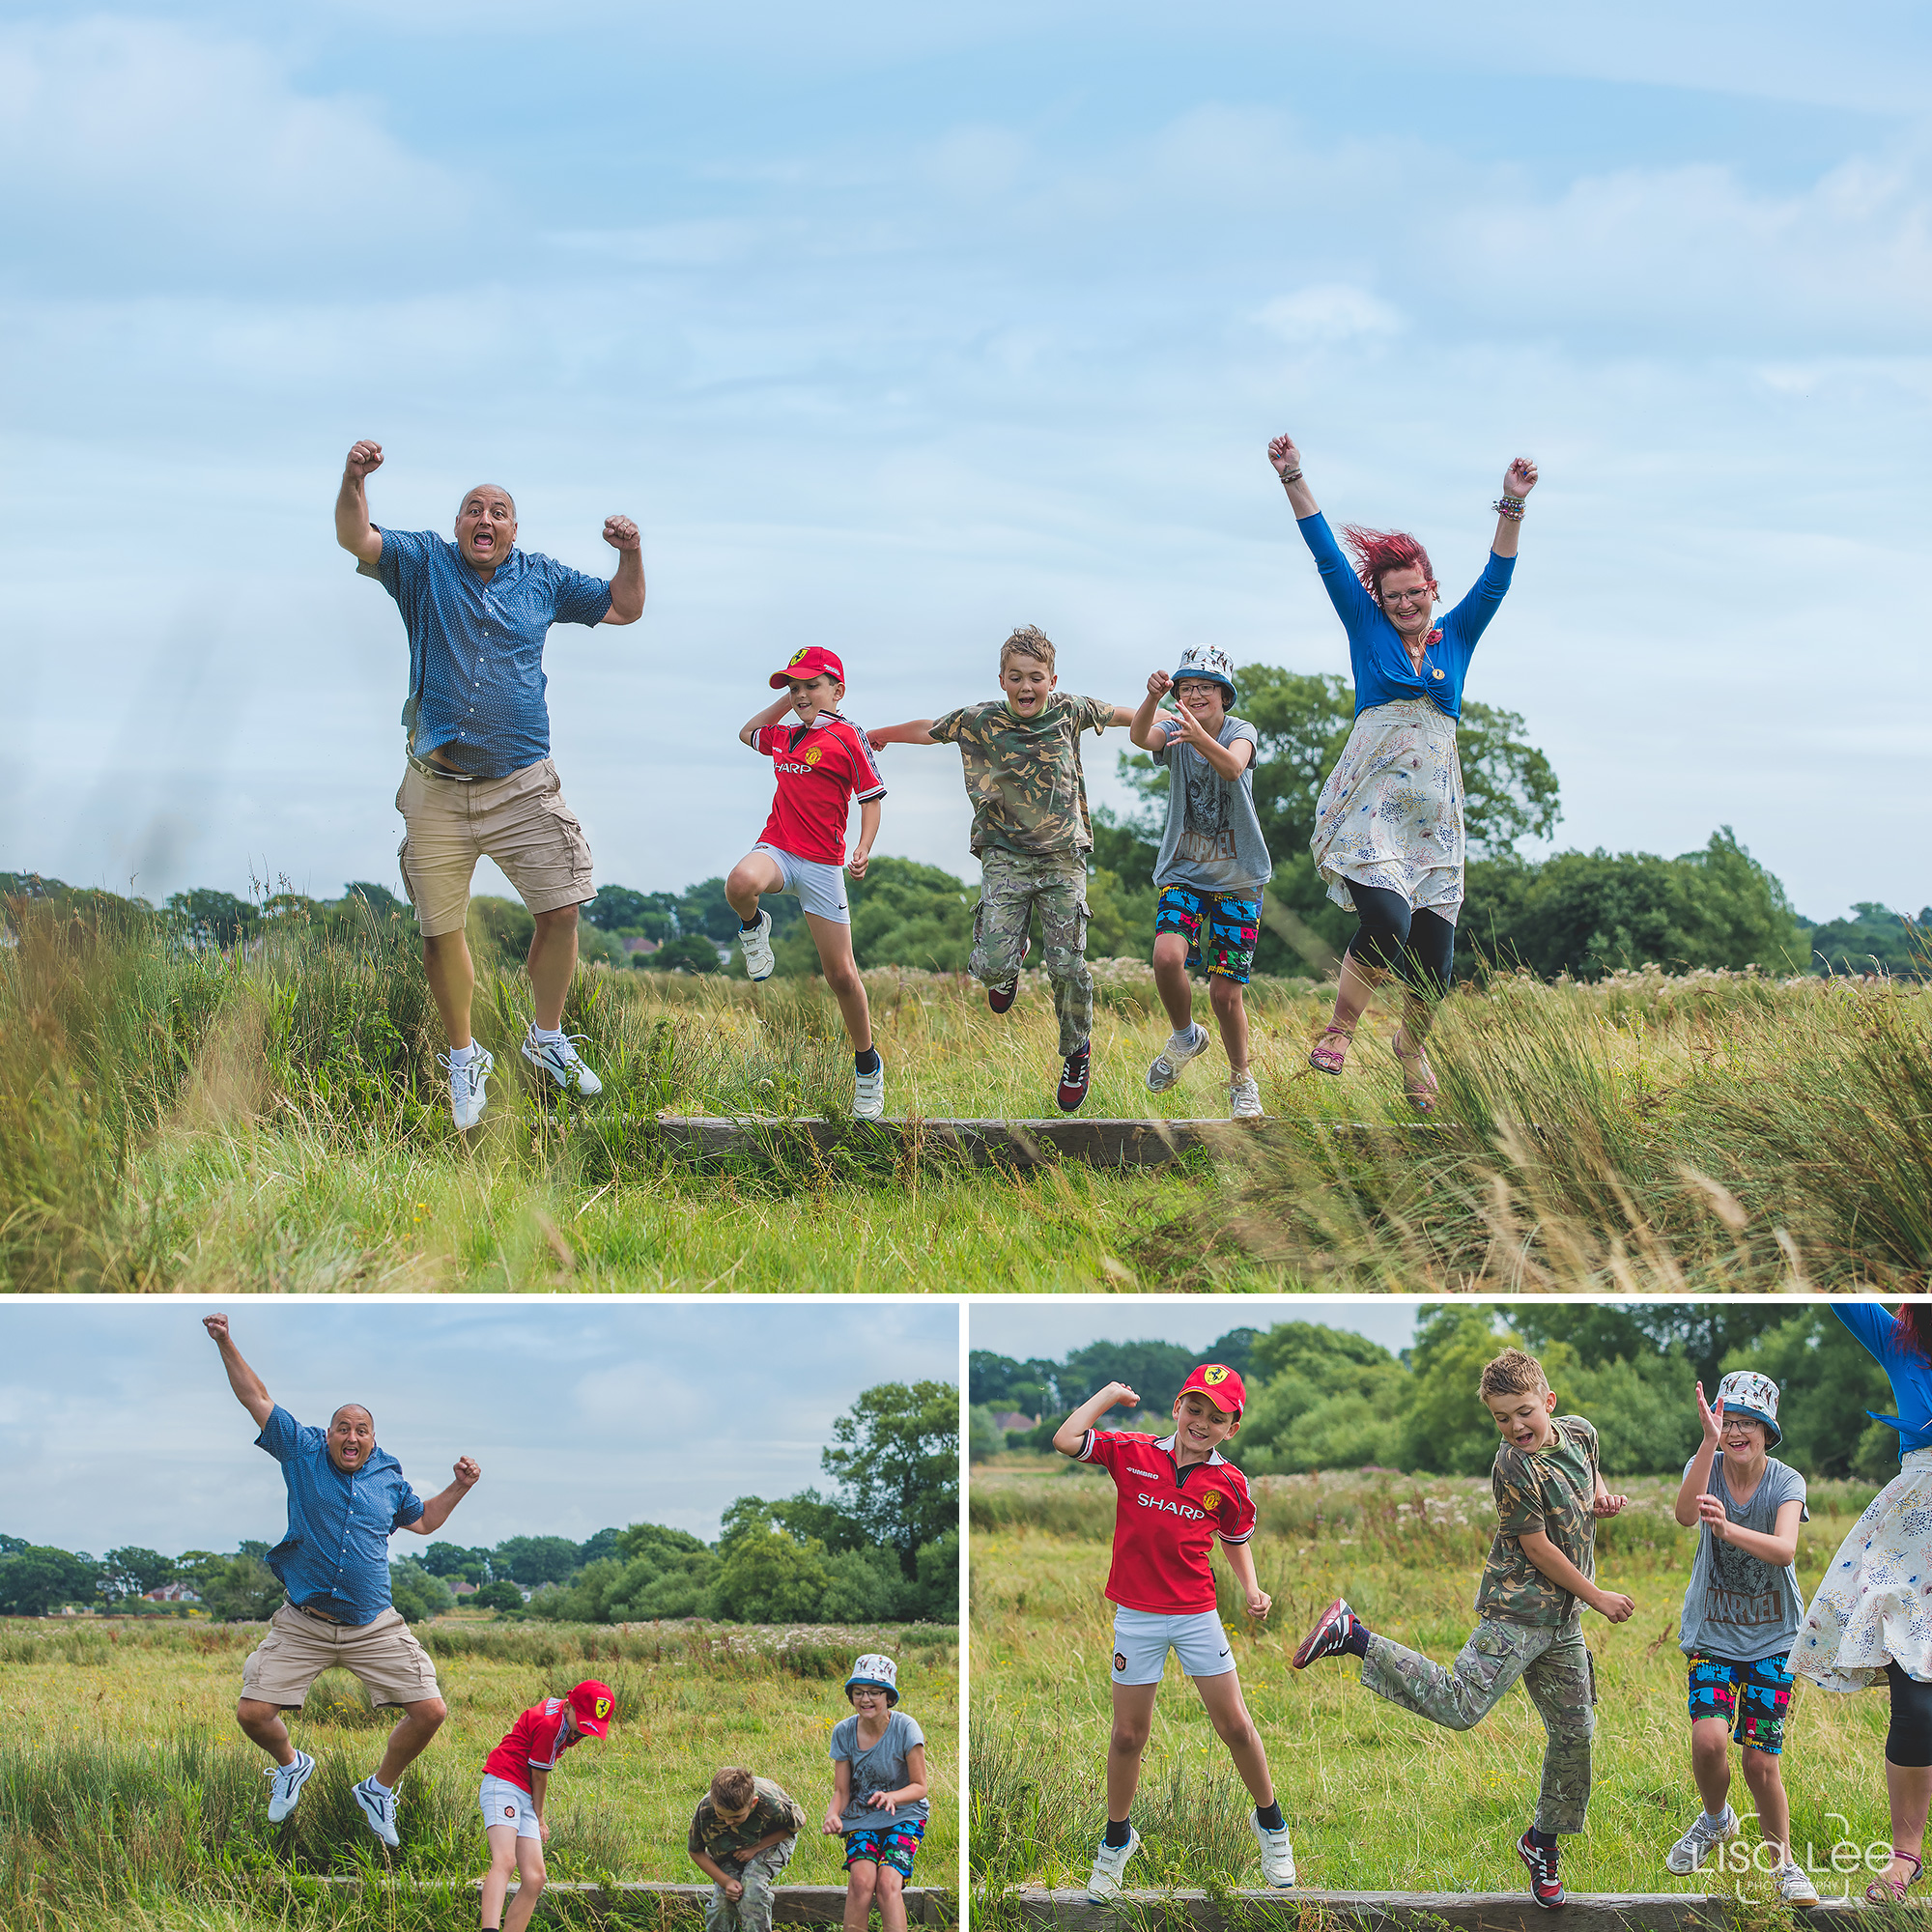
1021, 754
742, 1836
1540, 1570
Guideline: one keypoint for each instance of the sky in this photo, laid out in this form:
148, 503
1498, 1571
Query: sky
1051, 1330
120, 1428
896, 327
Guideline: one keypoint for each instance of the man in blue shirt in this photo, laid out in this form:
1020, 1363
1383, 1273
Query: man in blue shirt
346, 1499
480, 778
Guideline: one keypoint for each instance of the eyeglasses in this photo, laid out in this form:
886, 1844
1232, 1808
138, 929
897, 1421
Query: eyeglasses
1409, 597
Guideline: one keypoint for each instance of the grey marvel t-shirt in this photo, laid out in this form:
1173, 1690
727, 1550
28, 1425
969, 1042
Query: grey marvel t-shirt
1213, 839
1738, 1606
882, 1768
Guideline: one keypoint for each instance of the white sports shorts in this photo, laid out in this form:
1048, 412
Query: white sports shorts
507, 1803
820, 889
1143, 1640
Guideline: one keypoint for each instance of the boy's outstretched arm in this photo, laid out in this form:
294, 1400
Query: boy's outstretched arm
1141, 727
869, 829
250, 1391
1565, 1574
1071, 1433
1699, 1471
769, 715
916, 731
1122, 715
1242, 1561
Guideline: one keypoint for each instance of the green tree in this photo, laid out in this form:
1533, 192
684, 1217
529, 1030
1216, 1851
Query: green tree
451, 1561
501, 1595
1874, 939
767, 1575
417, 1592
1153, 1370
895, 1454
691, 953
1445, 1429
905, 913
1324, 1398
704, 909
240, 1589
619, 909
40, 1578
379, 899
1002, 1381
532, 1560
1643, 1409
132, 1572
211, 918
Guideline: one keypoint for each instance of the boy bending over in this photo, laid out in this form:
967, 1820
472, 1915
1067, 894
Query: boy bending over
742, 1835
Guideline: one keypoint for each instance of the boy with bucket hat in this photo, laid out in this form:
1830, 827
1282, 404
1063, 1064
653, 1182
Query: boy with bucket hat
1742, 1612
822, 762
1213, 865
516, 1775
878, 1794
1172, 1498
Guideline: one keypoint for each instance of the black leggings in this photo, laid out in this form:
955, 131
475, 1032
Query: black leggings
1419, 945
1908, 1744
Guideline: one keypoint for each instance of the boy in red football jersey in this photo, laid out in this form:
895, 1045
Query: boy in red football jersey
822, 761
515, 1778
1172, 1498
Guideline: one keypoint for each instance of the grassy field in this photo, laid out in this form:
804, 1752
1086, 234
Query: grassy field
1375, 1799
128, 1799
172, 1121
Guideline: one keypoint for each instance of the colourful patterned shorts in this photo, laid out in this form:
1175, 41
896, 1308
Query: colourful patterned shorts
1234, 927
888, 1845
1756, 1717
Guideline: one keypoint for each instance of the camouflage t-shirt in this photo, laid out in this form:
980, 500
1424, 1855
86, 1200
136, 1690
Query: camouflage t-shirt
724, 1844
1023, 774
1549, 1490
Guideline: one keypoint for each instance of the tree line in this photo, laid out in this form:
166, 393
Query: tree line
1322, 1397
882, 1546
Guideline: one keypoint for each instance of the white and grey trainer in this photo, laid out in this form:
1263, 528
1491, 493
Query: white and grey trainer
1705, 1835
285, 1785
563, 1062
466, 1083
1277, 1853
868, 1094
757, 940
1181, 1048
1110, 1864
1794, 1888
378, 1809
1244, 1098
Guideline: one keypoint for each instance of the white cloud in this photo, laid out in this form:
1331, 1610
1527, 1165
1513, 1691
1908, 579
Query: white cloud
1329, 314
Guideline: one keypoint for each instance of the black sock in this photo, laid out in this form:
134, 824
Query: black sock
868, 1062
1544, 1841
1116, 1833
750, 924
1356, 1643
1271, 1818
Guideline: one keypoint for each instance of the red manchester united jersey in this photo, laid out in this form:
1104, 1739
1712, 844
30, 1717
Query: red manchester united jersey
1165, 1521
535, 1743
820, 766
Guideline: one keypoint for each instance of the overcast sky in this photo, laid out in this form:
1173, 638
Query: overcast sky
119, 1428
895, 326
1053, 1330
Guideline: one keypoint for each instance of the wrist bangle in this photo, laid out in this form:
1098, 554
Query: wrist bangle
1510, 508
1289, 476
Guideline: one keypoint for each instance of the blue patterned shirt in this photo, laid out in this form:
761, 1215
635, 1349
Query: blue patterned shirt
336, 1553
476, 676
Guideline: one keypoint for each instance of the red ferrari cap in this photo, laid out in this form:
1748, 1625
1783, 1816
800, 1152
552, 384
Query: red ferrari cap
1220, 1384
591, 1705
809, 662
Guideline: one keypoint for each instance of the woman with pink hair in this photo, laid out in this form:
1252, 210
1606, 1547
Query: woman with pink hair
1388, 826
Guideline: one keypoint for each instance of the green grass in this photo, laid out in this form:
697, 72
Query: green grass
128, 1799
1377, 1799
173, 1122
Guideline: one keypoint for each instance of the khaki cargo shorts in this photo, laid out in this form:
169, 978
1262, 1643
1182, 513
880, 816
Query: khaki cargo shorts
519, 822
390, 1665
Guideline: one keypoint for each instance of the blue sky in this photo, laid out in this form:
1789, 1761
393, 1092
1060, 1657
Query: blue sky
895, 326
118, 1426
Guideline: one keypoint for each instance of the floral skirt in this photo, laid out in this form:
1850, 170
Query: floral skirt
1391, 814
1872, 1606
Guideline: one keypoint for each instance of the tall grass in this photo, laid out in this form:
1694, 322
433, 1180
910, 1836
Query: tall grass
173, 1119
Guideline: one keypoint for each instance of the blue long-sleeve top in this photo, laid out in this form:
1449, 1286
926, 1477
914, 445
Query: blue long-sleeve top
1905, 1369
1380, 660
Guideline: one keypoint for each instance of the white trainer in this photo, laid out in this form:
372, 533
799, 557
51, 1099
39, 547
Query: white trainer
1277, 1854
1110, 1862
1181, 1048
1697, 1844
1244, 1098
759, 958
285, 1785
1794, 1888
560, 1059
379, 1807
467, 1082
869, 1096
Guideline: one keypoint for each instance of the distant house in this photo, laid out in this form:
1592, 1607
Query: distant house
170, 1593
1012, 1420
635, 943
461, 1589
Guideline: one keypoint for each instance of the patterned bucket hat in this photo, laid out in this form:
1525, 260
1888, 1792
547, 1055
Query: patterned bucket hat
1745, 1393
879, 1673
1203, 660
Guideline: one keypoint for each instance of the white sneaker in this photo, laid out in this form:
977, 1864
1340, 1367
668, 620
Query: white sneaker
1181, 1048
285, 1785
1794, 1888
1277, 1854
561, 1062
1110, 1861
1697, 1844
466, 1098
757, 944
1244, 1098
869, 1096
379, 1807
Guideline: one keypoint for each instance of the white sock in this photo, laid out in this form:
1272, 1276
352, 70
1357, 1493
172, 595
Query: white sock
549, 1036
374, 1783
461, 1056
1717, 1817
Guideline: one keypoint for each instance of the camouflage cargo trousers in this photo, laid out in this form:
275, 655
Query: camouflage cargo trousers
1011, 887
759, 1876
1554, 1665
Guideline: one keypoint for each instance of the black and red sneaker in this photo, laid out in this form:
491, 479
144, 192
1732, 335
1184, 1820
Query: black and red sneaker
1074, 1073
1330, 1636
1545, 1886
1002, 997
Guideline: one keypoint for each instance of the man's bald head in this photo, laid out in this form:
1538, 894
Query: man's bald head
486, 527
487, 493
351, 1436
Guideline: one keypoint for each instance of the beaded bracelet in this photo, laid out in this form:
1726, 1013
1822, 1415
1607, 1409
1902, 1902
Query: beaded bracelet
1510, 508
1289, 476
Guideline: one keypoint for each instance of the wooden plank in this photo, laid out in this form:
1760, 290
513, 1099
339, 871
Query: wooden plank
794, 1904
1370, 1912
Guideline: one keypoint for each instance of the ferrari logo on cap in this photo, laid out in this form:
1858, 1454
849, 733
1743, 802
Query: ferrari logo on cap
1217, 1374
603, 1707
799, 656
